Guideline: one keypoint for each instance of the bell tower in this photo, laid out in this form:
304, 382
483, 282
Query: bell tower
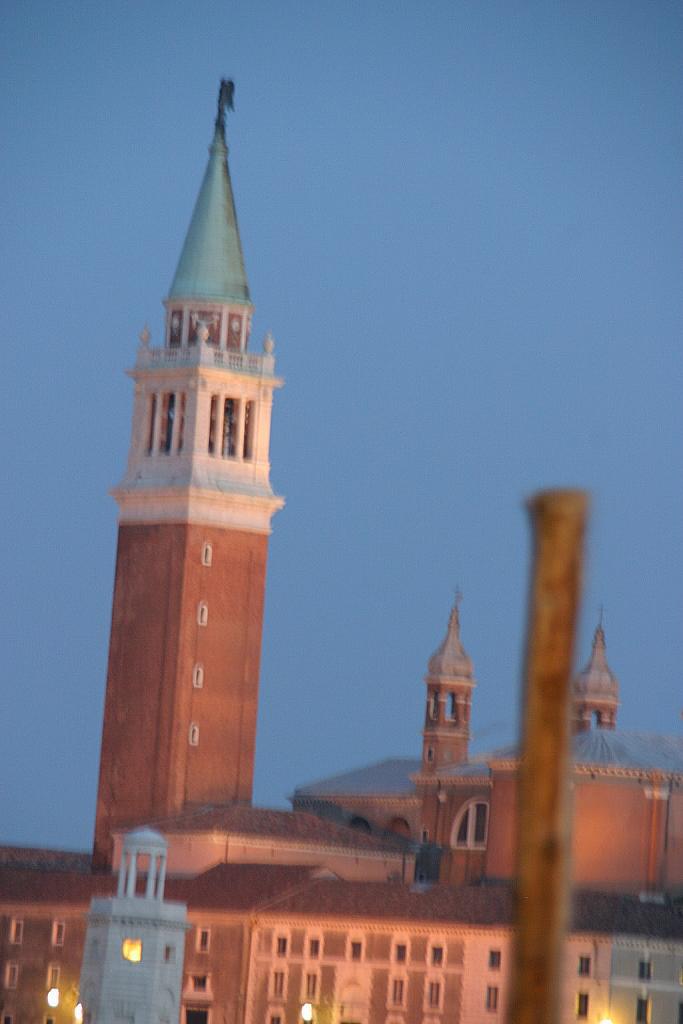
595, 697
450, 681
195, 507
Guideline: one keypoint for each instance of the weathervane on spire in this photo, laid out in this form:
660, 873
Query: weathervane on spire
226, 95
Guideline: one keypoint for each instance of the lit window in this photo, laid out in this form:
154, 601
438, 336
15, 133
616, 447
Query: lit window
356, 950
203, 940
584, 966
434, 993
193, 737
494, 959
58, 930
437, 955
207, 553
582, 1004
469, 829
202, 613
643, 1011
16, 931
645, 970
401, 953
281, 945
311, 986
492, 998
131, 949
11, 974
397, 991
278, 983
314, 948
52, 976
199, 982
198, 676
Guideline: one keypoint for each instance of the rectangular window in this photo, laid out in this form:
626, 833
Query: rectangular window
276, 1020
58, 931
167, 420
181, 421
582, 1004
213, 424
152, 417
397, 991
203, 940
278, 983
401, 953
50, 1020
356, 950
16, 931
229, 442
437, 955
434, 993
249, 419
643, 1011
199, 982
52, 976
494, 959
584, 966
680, 1013
645, 970
8, 1019
281, 945
169, 954
11, 974
492, 998
311, 986
314, 948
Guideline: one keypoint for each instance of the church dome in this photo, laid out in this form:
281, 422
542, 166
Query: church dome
451, 658
597, 679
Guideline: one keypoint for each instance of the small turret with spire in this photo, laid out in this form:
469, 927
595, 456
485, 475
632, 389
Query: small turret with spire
596, 689
450, 681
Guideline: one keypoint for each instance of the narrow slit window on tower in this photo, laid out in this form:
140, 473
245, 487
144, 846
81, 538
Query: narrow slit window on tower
229, 440
202, 613
181, 421
207, 553
194, 734
198, 676
213, 427
167, 418
248, 448
434, 707
152, 417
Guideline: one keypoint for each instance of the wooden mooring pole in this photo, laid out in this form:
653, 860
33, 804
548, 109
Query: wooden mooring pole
558, 520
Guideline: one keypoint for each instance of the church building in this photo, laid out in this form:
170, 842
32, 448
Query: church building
385, 895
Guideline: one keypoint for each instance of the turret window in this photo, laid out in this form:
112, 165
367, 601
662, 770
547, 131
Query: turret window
453, 707
213, 424
249, 420
167, 420
434, 707
470, 828
152, 413
229, 443
175, 328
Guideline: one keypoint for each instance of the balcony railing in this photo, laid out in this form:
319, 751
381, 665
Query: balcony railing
206, 355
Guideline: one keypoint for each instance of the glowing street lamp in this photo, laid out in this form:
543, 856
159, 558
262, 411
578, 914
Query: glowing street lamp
53, 997
307, 1013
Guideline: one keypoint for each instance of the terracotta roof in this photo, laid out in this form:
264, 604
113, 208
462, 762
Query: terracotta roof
295, 826
298, 891
39, 858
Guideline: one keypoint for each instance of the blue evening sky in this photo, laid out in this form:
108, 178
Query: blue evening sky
462, 221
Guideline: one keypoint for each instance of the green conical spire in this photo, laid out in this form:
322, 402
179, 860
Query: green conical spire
211, 264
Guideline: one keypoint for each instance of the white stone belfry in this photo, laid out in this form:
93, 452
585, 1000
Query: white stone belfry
135, 942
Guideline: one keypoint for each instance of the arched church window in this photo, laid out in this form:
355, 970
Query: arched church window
470, 828
360, 823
